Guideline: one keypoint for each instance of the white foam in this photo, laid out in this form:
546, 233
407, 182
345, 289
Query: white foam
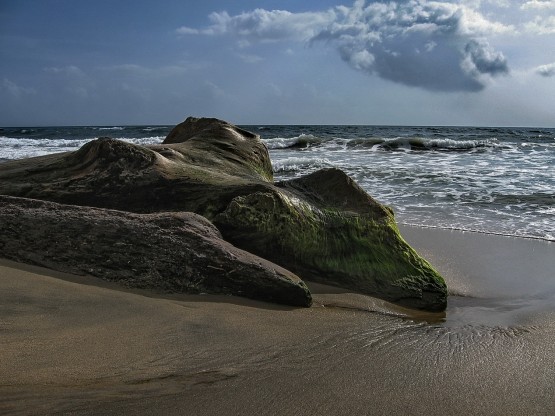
300, 164
287, 142
16, 148
280, 142
143, 141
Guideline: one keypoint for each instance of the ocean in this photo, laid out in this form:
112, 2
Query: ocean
488, 180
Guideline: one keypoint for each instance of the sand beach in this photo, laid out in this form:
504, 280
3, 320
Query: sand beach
82, 346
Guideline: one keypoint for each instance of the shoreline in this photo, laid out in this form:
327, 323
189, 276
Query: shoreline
497, 280
83, 345
469, 230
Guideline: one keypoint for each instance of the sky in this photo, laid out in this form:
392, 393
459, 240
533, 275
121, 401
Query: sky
470, 62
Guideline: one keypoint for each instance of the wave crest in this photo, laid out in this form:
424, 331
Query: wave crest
384, 144
300, 164
423, 144
301, 141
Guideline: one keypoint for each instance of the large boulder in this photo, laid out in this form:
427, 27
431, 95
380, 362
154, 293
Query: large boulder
172, 252
212, 164
323, 226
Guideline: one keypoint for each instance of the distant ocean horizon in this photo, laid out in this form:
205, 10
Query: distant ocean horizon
498, 180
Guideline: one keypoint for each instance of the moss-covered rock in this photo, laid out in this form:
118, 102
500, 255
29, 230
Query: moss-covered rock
327, 229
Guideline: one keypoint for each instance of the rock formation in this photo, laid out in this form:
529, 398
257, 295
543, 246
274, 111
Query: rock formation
323, 227
170, 252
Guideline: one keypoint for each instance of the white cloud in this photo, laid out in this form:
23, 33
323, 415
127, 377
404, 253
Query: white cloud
264, 25
473, 23
215, 90
541, 25
70, 70
72, 80
547, 70
500, 3
15, 90
250, 59
184, 30
361, 60
130, 68
437, 46
538, 5
140, 71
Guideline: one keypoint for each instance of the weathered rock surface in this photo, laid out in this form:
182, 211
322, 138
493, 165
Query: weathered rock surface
323, 227
202, 174
173, 252
224, 148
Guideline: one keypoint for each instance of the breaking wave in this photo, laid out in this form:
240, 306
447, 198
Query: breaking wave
17, 148
304, 141
111, 128
301, 141
423, 144
300, 164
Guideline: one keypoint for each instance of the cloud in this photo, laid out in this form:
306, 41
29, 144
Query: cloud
250, 59
15, 90
438, 46
128, 69
500, 3
72, 80
538, 5
264, 25
70, 70
543, 21
184, 30
547, 70
541, 25
135, 70
480, 58
215, 90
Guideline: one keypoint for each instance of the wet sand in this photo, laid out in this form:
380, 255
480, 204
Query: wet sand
82, 346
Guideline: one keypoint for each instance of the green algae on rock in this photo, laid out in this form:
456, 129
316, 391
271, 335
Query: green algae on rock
325, 228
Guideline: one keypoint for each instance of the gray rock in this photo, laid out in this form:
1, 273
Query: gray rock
171, 252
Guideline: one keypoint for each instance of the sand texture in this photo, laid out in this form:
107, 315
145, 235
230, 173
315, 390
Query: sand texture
83, 346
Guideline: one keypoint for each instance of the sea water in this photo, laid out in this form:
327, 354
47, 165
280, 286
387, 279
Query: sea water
490, 180
493, 180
